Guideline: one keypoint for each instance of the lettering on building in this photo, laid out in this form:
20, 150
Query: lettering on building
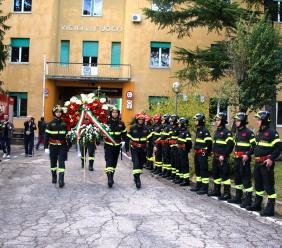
98, 28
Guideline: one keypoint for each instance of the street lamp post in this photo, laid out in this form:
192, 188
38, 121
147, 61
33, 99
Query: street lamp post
176, 87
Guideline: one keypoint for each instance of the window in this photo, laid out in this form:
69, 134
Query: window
92, 7
19, 50
22, 5
20, 103
156, 100
157, 5
160, 54
115, 55
274, 8
65, 52
90, 53
279, 114
217, 105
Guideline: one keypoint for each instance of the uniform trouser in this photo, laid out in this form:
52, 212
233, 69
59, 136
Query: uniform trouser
58, 154
242, 175
264, 180
166, 156
149, 154
201, 168
221, 171
174, 159
90, 148
138, 158
111, 157
6, 145
183, 163
158, 156
28, 144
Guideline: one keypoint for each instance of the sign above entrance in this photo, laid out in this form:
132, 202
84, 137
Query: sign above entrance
98, 28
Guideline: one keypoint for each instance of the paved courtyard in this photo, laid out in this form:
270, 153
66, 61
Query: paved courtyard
86, 213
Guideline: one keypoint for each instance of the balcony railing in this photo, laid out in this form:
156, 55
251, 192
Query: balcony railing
80, 71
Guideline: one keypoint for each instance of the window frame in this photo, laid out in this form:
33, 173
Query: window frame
20, 57
91, 9
22, 11
278, 125
18, 103
160, 58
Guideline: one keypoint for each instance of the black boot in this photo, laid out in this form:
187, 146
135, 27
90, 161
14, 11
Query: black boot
61, 179
157, 170
178, 180
216, 190
150, 166
54, 177
110, 176
204, 189
269, 209
91, 162
172, 177
226, 193
137, 181
162, 173
167, 174
82, 163
238, 197
247, 201
197, 187
185, 182
256, 206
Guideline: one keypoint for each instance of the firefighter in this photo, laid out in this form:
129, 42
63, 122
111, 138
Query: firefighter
223, 145
244, 147
202, 150
184, 145
268, 148
173, 145
137, 140
150, 145
118, 131
55, 139
156, 139
165, 145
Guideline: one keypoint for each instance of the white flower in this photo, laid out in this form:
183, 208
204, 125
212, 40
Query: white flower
91, 95
65, 110
73, 99
67, 103
105, 107
103, 100
90, 100
78, 102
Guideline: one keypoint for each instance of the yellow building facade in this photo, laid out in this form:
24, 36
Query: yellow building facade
61, 48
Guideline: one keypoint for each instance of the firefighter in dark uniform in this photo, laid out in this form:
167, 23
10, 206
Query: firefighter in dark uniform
173, 145
184, 145
55, 139
156, 139
90, 149
137, 140
150, 145
165, 145
223, 145
118, 131
245, 143
268, 148
202, 150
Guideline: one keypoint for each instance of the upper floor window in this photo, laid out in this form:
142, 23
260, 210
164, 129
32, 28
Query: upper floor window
20, 103
22, 5
92, 7
277, 11
279, 114
20, 50
160, 54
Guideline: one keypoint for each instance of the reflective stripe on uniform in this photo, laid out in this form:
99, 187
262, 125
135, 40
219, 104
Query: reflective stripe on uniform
227, 182
220, 142
243, 144
111, 144
55, 132
251, 189
110, 169
259, 193
240, 186
60, 170
275, 141
217, 181
115, 133
186, 175
229, 138
137, 171
200, 140
253, 140
91, 158
54, 169
205, 180
265, 144
273, 196
198, 179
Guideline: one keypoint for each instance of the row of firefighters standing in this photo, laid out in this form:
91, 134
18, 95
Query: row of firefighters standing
164, 145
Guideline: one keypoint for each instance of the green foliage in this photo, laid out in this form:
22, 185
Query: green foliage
256, 58
4, 49
188, 108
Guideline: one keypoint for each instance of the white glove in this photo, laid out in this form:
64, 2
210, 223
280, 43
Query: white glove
122, 144
46, 151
